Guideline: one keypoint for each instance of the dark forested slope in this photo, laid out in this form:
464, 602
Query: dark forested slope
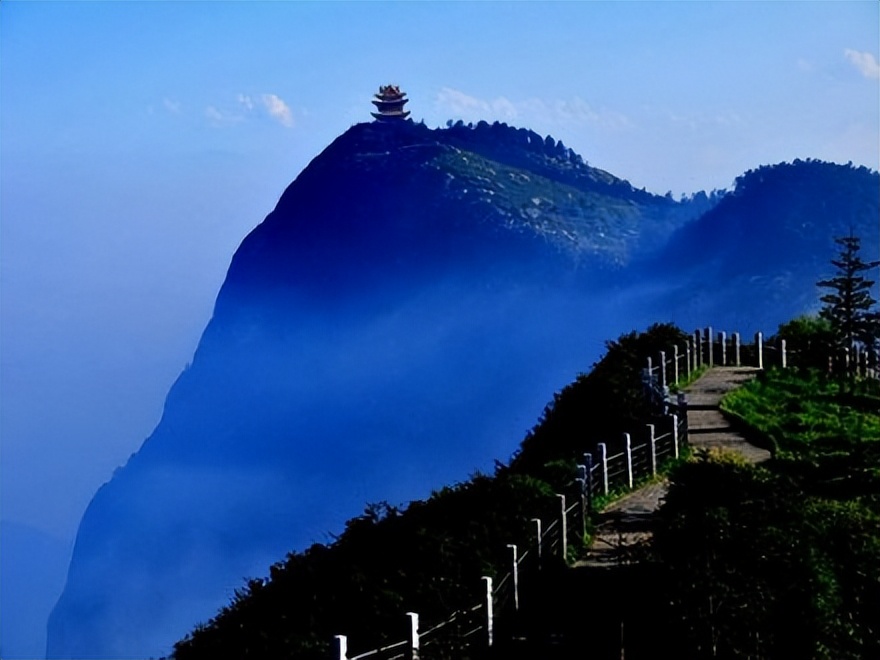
388, 328
396, 323
754, 259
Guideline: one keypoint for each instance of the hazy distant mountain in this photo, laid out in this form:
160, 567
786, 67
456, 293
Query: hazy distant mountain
757, 255
398, 321
32, 568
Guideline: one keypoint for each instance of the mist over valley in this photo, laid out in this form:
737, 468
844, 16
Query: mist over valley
397, 323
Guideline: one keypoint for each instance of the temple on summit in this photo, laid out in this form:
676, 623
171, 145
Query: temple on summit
389, 103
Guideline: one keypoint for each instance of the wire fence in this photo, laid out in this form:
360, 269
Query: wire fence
710, 348
466, 631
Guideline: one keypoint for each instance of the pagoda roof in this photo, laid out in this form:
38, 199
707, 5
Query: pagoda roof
396, 114
389, 102
390, 97
389, 89
381, 102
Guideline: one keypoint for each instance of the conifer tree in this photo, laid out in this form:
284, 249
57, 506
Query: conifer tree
849, 306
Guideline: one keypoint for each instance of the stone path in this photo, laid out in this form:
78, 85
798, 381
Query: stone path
707, 427
623, 527
626, 523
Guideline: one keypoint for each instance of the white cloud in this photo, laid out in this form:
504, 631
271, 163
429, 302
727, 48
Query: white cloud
866, 63
246, 101
277, 109
171, 106
467, 107
532, 111
213, 114
220, 117
246, 105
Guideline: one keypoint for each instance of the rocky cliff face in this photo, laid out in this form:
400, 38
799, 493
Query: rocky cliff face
398, 321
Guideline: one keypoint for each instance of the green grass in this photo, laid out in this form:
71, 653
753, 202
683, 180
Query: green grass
601, 502
780, 559
797, 410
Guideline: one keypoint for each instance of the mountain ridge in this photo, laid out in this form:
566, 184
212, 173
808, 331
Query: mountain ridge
381, 310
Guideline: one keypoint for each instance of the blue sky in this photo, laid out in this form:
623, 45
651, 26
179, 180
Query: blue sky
140, 142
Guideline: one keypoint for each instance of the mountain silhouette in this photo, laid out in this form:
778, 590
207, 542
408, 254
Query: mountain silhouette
396, 323
756, 256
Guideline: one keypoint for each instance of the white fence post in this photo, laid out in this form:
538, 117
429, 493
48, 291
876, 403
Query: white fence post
736, 346
629, 459
488, 618
759, 349
583, 484
653, 441
341, 647
711, 348
675, 434
563, 528
723, 336
784, 355
588, 462
539, 541
683, 411
413, 653
514, 573
662, 370
603, 457
675, 360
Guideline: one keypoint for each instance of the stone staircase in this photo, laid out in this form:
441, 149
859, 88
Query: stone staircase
604, 602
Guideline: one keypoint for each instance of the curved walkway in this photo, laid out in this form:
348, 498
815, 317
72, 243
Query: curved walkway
626, 523
707, 427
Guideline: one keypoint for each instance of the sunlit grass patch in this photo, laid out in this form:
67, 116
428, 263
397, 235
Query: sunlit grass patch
797, 410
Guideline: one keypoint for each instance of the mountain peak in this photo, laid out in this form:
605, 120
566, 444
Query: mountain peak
392, 325
511, 178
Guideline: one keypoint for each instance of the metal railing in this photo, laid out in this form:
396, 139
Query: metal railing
600, 474
475, 627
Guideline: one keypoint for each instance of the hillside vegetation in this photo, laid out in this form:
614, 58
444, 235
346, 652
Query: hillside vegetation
780, 560
753, 260
774, 561
429, 556
411, 296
